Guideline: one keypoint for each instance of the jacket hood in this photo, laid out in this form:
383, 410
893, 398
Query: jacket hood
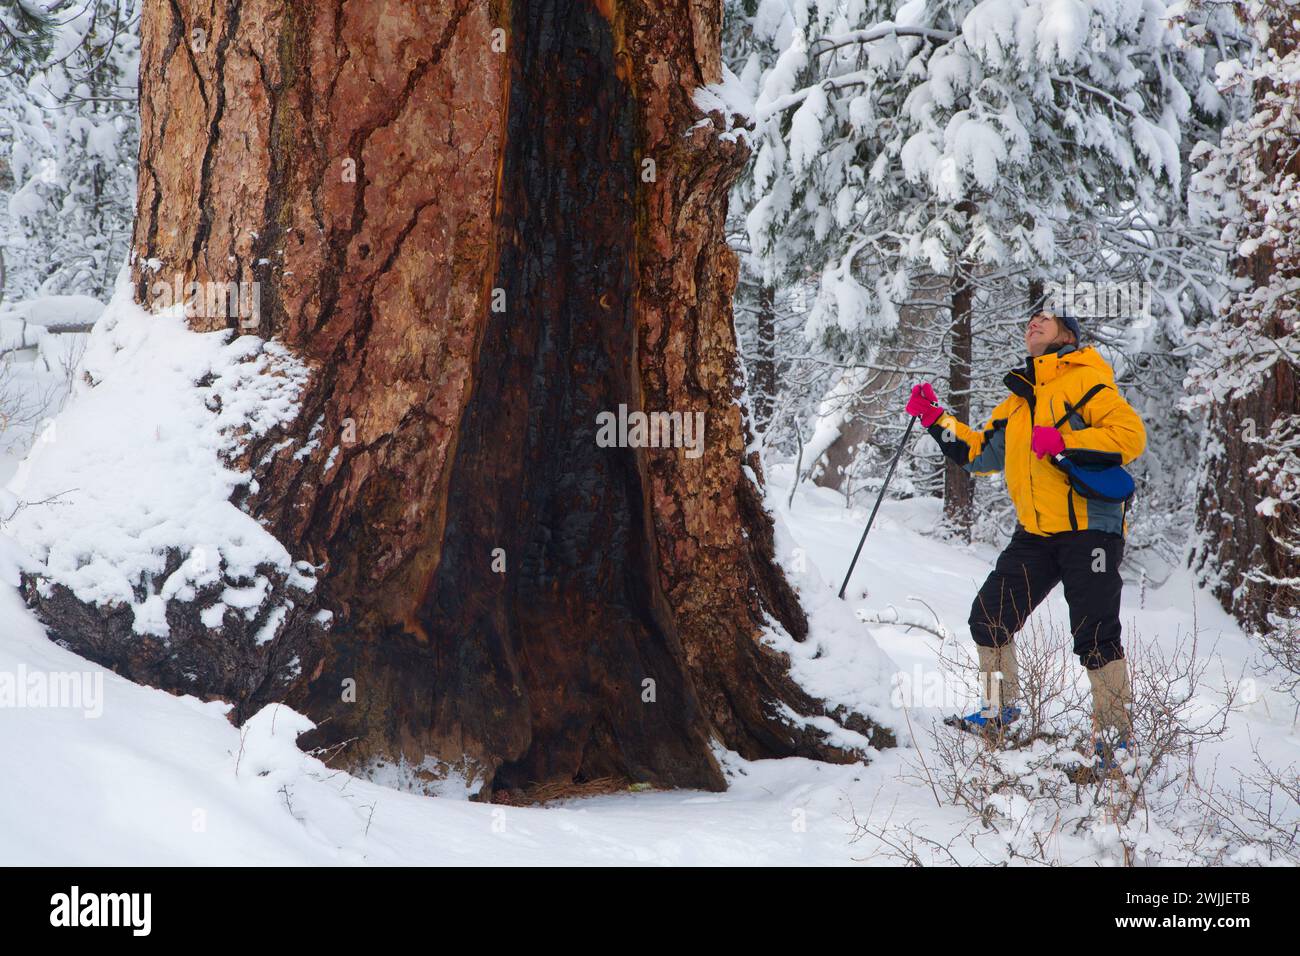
1088, 356
1041, 369
1050, 362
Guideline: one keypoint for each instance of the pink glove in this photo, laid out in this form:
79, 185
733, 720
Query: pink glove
1046, 441
924, 404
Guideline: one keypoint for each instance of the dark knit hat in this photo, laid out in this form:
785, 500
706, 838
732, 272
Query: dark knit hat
1065, 318
1071, 323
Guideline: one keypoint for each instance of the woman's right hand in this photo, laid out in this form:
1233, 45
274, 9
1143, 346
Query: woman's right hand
924, 404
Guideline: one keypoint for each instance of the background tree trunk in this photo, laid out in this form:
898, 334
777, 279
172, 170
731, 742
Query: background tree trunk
958, 483
764, 388
1249, 559
885, 392
1233, 537
543, 158
1036, 292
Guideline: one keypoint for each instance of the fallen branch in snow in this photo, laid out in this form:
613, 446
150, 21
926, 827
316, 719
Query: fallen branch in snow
243, 735
288, 802
893, 615
19, 504
328, 753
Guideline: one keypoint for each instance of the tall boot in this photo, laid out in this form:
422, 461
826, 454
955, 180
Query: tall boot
998, 691
1112, 696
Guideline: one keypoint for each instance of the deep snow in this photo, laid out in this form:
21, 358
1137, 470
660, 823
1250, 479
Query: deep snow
167, 780
136, 465
135, 775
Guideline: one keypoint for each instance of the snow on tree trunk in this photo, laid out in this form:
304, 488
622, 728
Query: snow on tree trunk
484, 225
1248, 496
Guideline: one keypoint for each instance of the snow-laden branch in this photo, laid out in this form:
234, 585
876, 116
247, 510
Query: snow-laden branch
782, 103
858, 77
909, 619
872, 34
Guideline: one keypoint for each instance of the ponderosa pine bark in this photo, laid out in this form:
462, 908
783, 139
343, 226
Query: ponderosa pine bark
1244, 549
483, 224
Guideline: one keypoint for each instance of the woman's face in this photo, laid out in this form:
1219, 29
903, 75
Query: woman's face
1044, 330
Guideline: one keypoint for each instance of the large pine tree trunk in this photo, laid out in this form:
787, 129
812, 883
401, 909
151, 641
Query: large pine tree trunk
1249, 558
1232, 535
533, 236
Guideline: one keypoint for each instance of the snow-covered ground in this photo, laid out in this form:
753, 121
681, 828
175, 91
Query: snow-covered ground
138, 776
38, 354
154, 778
135, 467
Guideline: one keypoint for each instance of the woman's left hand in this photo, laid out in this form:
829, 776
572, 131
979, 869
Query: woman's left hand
1046, 440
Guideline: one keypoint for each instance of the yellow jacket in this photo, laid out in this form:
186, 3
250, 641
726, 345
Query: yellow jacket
1105, 431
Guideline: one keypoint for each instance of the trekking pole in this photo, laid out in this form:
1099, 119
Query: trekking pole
879, 498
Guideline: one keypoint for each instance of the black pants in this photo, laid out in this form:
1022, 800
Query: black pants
1087, 562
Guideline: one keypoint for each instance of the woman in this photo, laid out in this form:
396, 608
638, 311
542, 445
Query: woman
1060, 535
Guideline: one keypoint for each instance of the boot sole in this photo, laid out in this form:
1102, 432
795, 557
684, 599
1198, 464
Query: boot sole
989, 731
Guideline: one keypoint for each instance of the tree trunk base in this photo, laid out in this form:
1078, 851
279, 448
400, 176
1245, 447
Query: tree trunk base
530, 237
